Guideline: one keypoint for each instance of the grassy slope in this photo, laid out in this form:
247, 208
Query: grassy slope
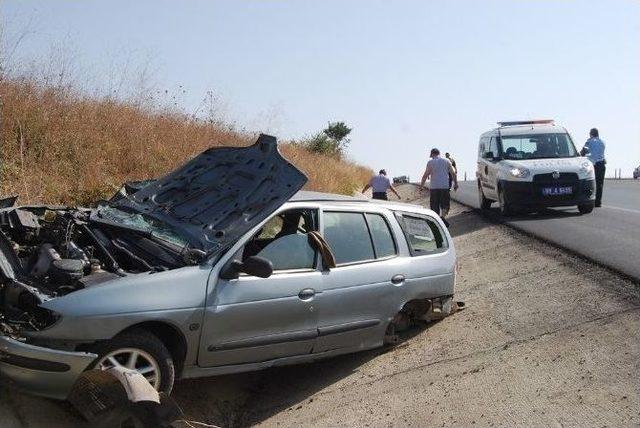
59, 147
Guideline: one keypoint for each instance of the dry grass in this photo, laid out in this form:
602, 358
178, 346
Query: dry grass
61, 147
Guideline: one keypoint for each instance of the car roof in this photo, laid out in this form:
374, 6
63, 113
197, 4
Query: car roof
357, 201
547, 128
308, 196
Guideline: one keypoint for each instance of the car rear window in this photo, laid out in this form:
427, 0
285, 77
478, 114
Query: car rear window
423, 234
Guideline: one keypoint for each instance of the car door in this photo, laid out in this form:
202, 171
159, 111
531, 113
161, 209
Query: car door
488, 167
358, 294
431, 271
483, 167
251, 319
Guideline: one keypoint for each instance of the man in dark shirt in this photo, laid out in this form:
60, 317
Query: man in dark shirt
453, 164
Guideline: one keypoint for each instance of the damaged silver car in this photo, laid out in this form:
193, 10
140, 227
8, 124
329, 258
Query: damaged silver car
219, 267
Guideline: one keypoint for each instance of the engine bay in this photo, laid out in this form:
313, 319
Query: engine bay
47, 252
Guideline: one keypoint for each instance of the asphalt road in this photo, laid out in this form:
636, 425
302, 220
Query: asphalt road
610, 235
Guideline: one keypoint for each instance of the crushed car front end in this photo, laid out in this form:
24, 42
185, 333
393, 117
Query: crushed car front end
35, 369
46, 254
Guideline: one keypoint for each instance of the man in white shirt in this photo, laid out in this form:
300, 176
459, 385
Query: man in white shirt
379, 184
438, 172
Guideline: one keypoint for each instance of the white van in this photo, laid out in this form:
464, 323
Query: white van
529, 165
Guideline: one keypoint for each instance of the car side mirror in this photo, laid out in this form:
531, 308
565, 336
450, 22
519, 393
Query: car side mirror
254, 266
488, 155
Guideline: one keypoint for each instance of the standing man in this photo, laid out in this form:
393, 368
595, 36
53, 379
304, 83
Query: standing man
453, 163
438, 172
594, 150
379, 184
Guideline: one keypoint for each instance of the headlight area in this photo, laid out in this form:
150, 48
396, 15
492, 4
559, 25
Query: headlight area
20, 311
519, 172
586, 168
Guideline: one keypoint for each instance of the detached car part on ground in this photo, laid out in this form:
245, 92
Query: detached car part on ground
215, 268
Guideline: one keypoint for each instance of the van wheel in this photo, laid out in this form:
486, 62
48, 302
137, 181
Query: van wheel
485, 203
505, 209
141, 351
586, 208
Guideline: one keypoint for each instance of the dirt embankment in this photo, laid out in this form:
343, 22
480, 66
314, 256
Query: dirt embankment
547, 339
59, 146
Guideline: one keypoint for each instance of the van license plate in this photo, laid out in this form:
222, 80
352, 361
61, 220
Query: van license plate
557, 191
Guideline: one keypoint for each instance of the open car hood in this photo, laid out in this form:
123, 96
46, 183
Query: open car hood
220, 194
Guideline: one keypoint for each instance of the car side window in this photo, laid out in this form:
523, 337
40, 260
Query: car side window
423, 234
348, 236
383, 242
283, 240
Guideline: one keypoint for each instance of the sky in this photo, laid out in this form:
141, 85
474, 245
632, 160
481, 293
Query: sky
405, 75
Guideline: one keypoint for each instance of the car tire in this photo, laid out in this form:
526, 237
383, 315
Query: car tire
505, 209
150, 350
485, 203
586, 208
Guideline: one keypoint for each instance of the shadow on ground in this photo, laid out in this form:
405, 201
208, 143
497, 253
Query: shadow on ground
459, 223
460, 226
246, 399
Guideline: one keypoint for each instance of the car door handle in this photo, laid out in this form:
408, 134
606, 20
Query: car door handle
397, 279
486, 169
306, 294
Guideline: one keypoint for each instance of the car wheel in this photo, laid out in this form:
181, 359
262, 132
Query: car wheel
586, 208
141, 351
485, 203
505, 209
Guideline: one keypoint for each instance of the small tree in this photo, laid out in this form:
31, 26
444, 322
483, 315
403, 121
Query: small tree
331, 141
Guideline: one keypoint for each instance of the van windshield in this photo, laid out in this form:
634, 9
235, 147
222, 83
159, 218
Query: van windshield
537, 146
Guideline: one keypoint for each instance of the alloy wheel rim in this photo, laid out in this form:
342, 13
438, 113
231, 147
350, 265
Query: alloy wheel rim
133, 359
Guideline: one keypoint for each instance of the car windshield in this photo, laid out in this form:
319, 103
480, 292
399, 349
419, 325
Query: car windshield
142, 223
537, 146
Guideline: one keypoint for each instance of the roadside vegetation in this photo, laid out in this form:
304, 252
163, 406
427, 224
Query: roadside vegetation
331, 141
60, 146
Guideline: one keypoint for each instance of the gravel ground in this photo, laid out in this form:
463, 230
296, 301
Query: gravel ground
546, 339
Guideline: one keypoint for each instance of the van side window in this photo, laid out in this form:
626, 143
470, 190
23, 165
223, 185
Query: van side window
485, 147
383, 242
348, 236
423, 234
283, 240
493, 147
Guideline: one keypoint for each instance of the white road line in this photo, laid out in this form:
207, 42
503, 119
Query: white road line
622, 209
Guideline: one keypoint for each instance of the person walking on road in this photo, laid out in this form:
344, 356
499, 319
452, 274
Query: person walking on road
380, 184
453, 163
594, 150
438, 171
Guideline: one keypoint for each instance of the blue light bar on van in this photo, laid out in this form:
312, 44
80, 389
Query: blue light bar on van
526, 122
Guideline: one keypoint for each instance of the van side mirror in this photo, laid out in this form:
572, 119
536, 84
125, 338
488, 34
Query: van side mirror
488, 155
254, 266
